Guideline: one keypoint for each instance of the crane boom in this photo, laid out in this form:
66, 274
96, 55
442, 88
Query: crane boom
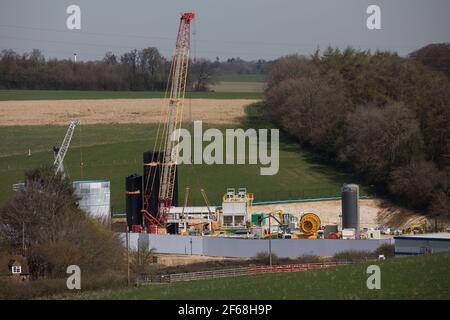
61, 154
178, 78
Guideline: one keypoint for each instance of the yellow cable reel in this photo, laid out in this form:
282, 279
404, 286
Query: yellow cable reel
309, 223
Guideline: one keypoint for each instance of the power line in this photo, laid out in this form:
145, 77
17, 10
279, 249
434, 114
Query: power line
214, 52
47, 50
68, 42
166, 51
90, 33
242, 42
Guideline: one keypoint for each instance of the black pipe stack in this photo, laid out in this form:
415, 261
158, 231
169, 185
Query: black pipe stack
152, 175
172, 228
133, 187
175, 190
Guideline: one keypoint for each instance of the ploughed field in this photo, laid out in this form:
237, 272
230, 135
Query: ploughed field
59, 112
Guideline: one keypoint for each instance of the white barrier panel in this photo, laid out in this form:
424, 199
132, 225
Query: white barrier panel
245, 248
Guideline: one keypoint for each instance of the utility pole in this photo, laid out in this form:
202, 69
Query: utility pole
186, 197
208, 206
270, 240
128, 258
23, 237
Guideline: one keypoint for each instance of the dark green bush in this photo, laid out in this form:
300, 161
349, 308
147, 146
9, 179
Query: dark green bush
354, 256
388, 250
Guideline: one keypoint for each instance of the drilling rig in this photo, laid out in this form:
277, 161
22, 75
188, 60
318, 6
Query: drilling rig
177, 88
60, 151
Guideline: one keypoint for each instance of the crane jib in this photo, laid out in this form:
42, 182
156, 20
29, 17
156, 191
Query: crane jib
177, 85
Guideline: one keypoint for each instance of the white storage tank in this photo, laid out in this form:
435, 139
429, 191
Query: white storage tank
95, 198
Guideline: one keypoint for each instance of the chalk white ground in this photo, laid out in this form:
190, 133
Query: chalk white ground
373, 212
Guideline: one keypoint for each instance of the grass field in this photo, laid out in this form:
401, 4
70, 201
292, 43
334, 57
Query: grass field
419, 277
239, 78
237, 87
113, 151
238, 83
76, 95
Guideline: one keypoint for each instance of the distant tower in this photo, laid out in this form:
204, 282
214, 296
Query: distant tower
74, 57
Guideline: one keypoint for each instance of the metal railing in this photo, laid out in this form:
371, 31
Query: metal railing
243, 271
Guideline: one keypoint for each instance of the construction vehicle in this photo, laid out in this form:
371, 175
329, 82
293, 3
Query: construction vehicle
177, 85
415, 228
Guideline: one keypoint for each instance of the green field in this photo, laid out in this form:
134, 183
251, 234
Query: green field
419, 277
240, 78
77, 95
113, 151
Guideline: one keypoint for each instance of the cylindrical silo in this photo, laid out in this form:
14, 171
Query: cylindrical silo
350, 207
133, 190
95, 198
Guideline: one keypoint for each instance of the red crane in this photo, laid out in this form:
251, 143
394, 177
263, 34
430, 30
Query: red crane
177, 85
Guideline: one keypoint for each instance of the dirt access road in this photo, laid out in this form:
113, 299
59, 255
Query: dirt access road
59, 112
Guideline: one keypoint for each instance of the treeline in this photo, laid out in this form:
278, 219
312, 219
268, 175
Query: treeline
385, 117
435, 55
144, 69
135, 70
240, 66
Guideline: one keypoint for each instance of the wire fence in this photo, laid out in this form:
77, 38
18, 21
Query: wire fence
234, 272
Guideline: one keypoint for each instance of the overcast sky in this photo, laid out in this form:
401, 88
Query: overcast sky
249, 29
